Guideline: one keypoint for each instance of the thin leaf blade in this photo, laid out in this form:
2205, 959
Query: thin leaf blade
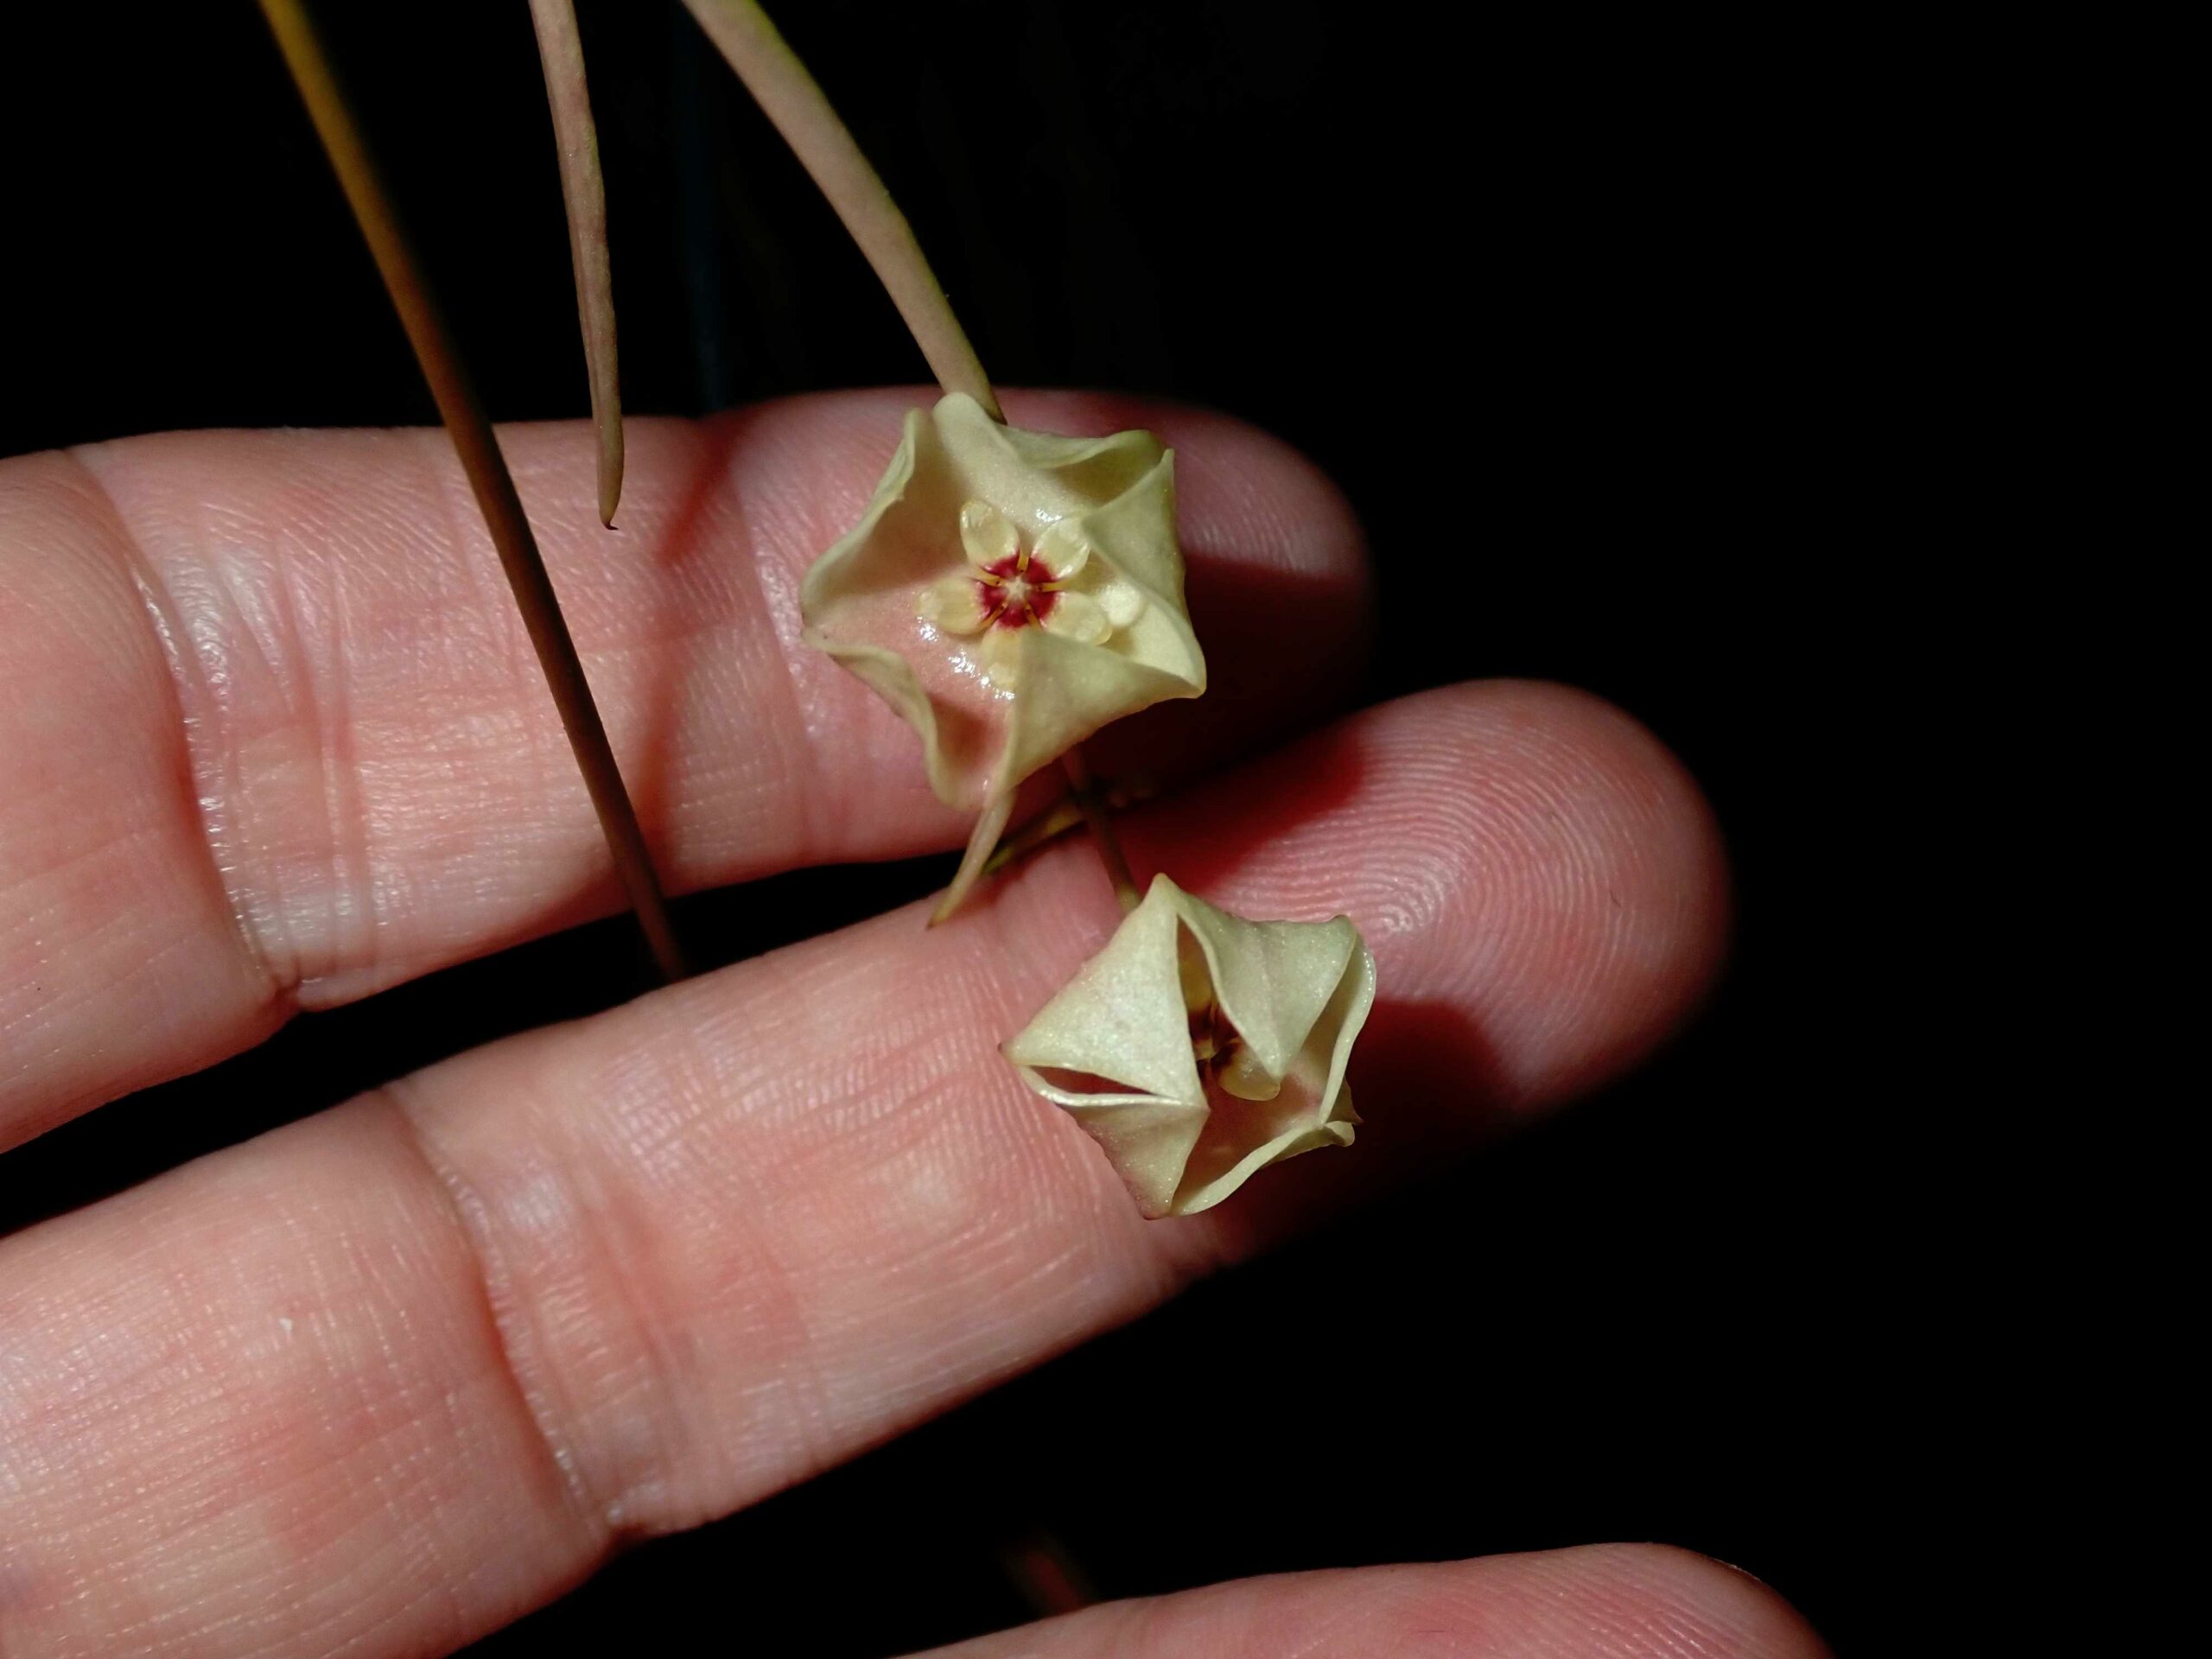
798, 107
477, 447
584, 192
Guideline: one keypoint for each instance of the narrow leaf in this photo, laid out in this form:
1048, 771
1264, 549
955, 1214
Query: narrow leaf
486, 468
584, 193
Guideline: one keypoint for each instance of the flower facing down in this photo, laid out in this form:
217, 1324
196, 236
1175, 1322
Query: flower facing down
1008, 593
1198, 1048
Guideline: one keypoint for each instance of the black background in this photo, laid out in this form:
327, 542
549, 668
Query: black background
1588, 283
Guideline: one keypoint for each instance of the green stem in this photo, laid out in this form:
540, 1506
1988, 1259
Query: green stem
1101, 823
799, 110
487, 468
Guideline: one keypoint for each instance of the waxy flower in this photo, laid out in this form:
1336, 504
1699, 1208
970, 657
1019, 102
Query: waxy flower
1198, 1048
1008, 593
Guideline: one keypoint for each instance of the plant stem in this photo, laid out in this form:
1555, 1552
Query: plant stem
487, 468
1102, 828
798, 107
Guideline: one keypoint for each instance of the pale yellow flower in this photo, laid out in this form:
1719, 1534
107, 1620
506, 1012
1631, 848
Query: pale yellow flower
1198, 1048
1008, 593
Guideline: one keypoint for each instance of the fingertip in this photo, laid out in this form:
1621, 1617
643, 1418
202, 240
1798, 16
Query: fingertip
1634, 1601
1532, 867
1623, 890
1247, 497
1620, 1592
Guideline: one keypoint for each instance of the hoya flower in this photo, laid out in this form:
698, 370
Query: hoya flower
1198, 1048
1008, 593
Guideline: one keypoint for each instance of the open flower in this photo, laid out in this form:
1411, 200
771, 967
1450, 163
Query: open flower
1008, 593
1198, 1048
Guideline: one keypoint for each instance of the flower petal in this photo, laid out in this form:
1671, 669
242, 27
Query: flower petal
1039, 476
1135, 532
1120, 1017
1079, 616
987, 534
981, 840
954, 604
1246, 1078
1133, 544
1069, 690
1001, 650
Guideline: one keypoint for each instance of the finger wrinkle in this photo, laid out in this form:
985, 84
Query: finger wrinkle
618, 1239
114, 891
193, 692
774, 588
280, 1420
851, 1237
493, 1297
224, 626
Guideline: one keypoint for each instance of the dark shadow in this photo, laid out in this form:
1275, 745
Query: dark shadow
1283, 653
1313, 778
1429, 1088
710, 524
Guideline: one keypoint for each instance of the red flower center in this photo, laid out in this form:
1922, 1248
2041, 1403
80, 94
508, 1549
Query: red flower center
1015, 591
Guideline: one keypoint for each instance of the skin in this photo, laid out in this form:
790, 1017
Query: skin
387, 1378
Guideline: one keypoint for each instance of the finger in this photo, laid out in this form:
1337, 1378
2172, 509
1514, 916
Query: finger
1611, 1601
274, 735
393, 1374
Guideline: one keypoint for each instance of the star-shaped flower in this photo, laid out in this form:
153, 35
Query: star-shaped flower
1198, 1048
1008, 593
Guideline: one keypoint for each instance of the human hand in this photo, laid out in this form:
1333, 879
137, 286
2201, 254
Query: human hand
385, 1379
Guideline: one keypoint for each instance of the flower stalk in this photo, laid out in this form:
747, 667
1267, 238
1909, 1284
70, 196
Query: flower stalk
1100, 822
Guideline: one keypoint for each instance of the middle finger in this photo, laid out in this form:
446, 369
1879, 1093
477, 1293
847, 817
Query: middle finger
385, 1379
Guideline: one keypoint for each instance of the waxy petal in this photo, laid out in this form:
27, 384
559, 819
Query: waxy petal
1115, 1047
1246, 1076
987, 534
1123, 601
1063, 548
1079, 616
955, 604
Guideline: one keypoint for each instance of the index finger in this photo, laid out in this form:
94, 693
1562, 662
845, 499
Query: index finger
274, 737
